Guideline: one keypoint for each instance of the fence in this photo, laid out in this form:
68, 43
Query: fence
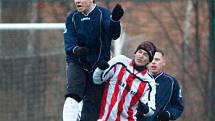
32, 72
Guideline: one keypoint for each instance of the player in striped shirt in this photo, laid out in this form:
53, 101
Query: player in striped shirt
128, 84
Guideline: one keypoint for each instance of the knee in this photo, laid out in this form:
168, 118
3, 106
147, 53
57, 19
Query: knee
74, 96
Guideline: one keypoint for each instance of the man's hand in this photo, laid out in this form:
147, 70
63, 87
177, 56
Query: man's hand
142, 109
81, 51
117, 12
163, 116
103, 65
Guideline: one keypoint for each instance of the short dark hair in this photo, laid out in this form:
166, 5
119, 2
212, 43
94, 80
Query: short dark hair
160, 51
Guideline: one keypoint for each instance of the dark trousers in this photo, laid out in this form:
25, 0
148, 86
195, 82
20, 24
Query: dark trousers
80, 83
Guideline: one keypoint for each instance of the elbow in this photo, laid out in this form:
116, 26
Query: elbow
97, 78
175, 115
115, 37
116, 34
115, 30
97, 82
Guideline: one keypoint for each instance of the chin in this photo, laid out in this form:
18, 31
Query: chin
154, 72
138, 64
79, 10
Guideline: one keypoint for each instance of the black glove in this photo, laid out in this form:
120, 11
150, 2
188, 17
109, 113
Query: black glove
103, 65
81, 51
141, 109
117, 12
163, 116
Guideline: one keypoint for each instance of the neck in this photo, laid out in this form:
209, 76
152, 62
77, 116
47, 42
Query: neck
86, 12
139, 68
156, 74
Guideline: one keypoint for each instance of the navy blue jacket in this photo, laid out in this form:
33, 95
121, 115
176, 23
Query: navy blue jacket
168, 97
94, 31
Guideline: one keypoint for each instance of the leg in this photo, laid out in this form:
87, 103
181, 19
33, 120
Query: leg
91, 102
76, 81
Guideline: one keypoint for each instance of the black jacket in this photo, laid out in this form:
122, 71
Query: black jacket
94, 31
168, 97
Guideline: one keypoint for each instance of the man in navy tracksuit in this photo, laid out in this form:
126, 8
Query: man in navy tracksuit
168, 98
87, 38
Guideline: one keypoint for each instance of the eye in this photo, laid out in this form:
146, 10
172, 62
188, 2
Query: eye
157, 59
145, 54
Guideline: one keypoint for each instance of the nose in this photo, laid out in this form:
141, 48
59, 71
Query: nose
153, 62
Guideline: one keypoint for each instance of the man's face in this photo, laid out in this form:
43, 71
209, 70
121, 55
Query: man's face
83, 5
156, 66
141, 58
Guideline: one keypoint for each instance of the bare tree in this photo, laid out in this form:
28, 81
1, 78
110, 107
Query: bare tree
185, 45
0, 21
211, 4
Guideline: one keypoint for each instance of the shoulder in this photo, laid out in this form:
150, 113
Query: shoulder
105, 12
103, 9
149, 77
71, 14
169, 77
172, 79
146, 76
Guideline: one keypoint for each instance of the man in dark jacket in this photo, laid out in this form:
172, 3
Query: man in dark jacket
87, 38
168, 98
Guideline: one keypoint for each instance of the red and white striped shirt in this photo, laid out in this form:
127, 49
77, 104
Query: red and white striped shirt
124, 89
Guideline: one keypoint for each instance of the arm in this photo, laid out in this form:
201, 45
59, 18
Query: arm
115, 27
176, 106
151, 102
105, 71
112, 22
115, 30
149, 97
102, 73
70, 39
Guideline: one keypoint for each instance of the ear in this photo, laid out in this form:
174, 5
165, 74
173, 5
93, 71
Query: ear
164, 62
